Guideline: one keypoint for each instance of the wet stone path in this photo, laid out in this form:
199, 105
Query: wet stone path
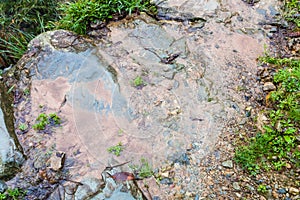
165, 90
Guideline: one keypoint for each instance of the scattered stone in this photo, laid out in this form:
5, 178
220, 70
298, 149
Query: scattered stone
270, 35
3, 186
236, 186
275, 194
293, 191
251, 188
269, 86
238, 195
167, 181
262, 198
273, 30
90, 187
57, 161
227, 164
281, 191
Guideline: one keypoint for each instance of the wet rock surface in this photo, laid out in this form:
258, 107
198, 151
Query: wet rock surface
11, 155
174, 92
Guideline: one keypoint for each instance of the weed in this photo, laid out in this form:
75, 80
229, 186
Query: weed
43, 120
144, 169
23, 127
54, 118
116, 150
278, 144
262, 188
14, 194
291, 10
120, 132
26, 91
32, 15
2, 196
138, 81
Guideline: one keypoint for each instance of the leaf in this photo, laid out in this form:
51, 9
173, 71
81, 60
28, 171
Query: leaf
288, 139
123, 176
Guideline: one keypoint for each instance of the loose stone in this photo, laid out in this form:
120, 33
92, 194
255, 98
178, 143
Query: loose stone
281, 191
293, 191
227, 164
3, 186
236, 186
269, 86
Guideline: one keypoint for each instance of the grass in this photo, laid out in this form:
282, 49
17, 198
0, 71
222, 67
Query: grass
291, 11
20, 21
14, 44
279, 144
78, 15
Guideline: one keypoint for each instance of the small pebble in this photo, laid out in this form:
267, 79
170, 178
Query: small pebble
281, 191
236, 186
227, 164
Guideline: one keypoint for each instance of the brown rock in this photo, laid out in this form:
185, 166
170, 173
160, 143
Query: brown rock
57, 161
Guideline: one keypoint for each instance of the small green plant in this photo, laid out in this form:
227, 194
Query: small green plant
138, 81
262, 188
144, 169
56, 119
23, 126
116, 150
14, 194
43, 120
26, 91
2, 196
120, 132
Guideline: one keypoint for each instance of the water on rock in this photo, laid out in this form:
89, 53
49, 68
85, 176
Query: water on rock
157, 88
